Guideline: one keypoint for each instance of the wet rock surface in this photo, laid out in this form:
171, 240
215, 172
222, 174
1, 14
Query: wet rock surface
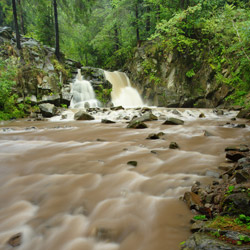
48, 109
83, 116
173, 121
15, 240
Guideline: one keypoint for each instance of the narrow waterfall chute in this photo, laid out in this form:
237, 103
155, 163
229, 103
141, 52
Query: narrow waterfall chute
123, 94
83, 95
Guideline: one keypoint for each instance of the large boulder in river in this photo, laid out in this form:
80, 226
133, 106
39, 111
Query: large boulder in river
173, 121
48, 109
244, 113
83, 116
137, 124
145, 118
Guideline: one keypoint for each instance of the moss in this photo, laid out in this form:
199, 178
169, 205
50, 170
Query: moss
227, 223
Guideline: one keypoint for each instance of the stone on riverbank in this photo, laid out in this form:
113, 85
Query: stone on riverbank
47, 109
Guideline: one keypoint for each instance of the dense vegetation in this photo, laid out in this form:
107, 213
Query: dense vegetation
104, 33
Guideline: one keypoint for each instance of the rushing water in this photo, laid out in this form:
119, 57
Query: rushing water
83, 95
123, 94
66, 184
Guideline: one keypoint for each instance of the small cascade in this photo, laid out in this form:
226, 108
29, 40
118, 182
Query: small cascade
83, 93
123, 94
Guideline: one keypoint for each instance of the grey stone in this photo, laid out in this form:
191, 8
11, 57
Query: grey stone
203, 241
132, 163
173, 145
137, 125
212, 174
107, 121
153, 137
54, 99
15, 240
81, 115
173, 121
48, 109
197, 225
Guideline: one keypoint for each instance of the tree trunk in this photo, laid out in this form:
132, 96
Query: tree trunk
116, 38
21, 17
18, 43
137, 22
57, 52
148, 24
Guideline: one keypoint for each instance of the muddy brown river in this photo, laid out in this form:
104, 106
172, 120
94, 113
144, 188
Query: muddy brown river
66, 185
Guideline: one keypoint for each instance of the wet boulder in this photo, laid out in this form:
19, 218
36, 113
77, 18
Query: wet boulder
173, 145
117, 108
236, 203
148, 116
15, 240
48, 109
53, 99
218, 111
153, 137
242, 176
240, 148
107, 121
235, 155
244, 113
173, 121
193, 200
132, 163
203, 241
146, 109
83, 116
137, 124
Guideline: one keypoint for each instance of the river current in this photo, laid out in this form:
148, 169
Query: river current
66, 185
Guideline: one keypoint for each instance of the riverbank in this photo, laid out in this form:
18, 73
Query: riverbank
221, 209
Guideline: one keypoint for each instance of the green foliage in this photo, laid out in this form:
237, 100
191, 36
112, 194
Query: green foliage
200, 217
243, 219
64, 106
8, 100
103, 95
216, 233
190, 73
230, 189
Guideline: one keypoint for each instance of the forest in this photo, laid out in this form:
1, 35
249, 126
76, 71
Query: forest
106, 33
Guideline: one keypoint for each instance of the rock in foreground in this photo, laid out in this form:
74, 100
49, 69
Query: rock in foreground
83, 116
173, 121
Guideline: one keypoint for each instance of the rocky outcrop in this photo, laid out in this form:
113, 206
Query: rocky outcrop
170, 79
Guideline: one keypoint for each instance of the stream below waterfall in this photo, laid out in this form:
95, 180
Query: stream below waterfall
66, 185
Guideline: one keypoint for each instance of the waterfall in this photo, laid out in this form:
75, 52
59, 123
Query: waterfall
123, 94
83, 93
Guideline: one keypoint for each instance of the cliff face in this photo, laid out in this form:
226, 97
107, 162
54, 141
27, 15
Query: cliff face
172, 79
